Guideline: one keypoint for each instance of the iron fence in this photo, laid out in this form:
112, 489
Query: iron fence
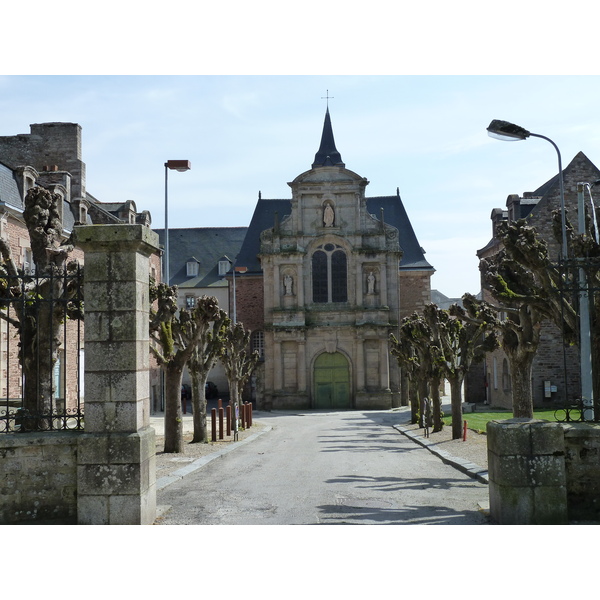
580, 286
41, 351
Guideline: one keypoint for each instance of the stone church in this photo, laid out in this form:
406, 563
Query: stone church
321, 280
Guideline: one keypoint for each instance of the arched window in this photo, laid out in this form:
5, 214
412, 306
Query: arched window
329, 274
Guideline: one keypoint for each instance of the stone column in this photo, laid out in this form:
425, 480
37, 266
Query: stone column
116, 469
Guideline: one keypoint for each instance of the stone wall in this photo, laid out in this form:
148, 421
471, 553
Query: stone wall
543, 473
39, 477
582, 459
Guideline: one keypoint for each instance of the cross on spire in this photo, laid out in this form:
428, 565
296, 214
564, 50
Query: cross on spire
328, 97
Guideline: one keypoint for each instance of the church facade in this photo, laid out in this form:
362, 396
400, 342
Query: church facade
321, 280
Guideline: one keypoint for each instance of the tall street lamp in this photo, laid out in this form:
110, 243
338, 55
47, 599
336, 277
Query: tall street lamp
174, 165
509, 132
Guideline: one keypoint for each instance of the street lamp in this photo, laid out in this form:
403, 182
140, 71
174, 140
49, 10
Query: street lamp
509, 132
174, 165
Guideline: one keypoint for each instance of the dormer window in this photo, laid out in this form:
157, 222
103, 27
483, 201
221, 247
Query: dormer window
224, 266
192, 268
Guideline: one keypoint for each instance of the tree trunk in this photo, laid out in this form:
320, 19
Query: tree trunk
456, 401
436, 404
423, 393
522, 398
233, 400
404, 389
414, 401
199, 408
40, 343
173, 413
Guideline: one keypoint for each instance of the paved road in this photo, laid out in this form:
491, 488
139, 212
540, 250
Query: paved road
326, 468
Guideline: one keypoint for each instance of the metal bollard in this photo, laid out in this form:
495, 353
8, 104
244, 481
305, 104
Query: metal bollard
228, 419
213, 414
221, 423
464, 431
243, 417
219, 403
249, 414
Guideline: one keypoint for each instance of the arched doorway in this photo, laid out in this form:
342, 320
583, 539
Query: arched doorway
332, 381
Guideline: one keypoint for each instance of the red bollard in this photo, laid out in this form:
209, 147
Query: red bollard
228, 419
219, 403
243, 417
464, 431
249, 414
213, 414
221, 423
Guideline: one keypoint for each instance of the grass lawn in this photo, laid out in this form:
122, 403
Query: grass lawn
477, 421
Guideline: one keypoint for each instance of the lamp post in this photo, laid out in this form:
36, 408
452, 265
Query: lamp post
174, 165
509, 132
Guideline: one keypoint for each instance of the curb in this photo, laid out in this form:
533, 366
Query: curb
167, 480
465, 466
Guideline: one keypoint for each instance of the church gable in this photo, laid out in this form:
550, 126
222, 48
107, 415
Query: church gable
327, 268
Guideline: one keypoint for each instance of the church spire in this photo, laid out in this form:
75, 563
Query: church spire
327, 156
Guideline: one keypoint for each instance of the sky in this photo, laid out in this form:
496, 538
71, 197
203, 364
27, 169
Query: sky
239, 89
422, 134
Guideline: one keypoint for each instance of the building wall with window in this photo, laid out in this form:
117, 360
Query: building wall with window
556, 367
50, 156
200, 259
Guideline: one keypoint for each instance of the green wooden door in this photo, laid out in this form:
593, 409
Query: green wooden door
332, 381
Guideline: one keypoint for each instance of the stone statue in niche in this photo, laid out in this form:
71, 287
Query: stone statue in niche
288, 285
328, 215
371, 283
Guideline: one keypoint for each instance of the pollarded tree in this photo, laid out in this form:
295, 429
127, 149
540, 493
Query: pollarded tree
44, 300
404, 352
468, 334
518, 277
238, 361
208, 349
175, 333
425, 360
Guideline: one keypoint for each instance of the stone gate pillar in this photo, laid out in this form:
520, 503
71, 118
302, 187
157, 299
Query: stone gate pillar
527, 477
116, 468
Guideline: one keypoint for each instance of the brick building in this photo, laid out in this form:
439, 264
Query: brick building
551, 382
50, 156
325, 277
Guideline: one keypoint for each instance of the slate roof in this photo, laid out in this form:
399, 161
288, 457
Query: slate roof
9, 191
207, 245
263, 218
394, 214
